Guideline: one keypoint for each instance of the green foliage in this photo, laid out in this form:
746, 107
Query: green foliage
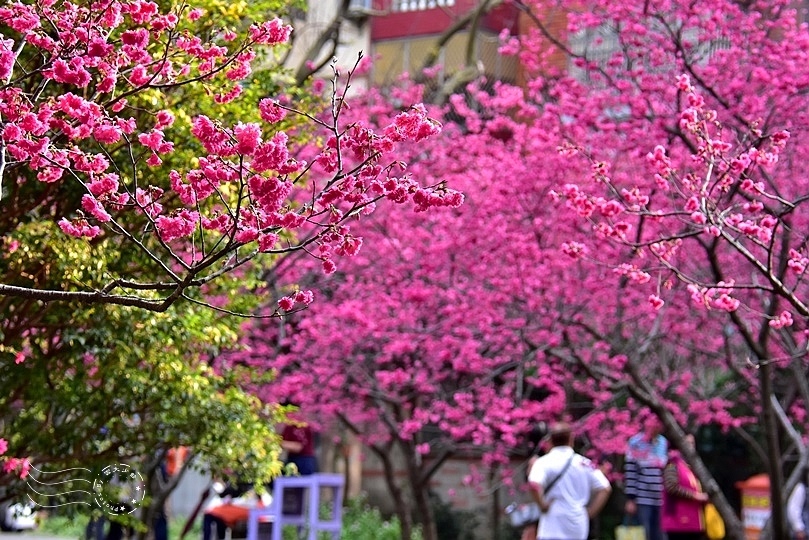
74, 527
361, 521
176, 527
223, 13
62, 263
100, 384
453, 524
87, 385
67, 526
93, 366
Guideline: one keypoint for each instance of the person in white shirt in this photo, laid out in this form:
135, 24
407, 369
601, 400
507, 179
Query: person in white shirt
569, 489
798, 509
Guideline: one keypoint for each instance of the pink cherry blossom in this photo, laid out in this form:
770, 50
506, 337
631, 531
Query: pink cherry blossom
270, 111
180, 224
79, 228
7, 58
195, 14
93, 207
271, 32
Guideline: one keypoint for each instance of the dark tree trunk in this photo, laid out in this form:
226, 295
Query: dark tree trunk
770, 423
421, 496
400, 501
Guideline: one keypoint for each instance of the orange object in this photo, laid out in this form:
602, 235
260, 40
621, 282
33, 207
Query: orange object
231, 514
755, 504
175, 458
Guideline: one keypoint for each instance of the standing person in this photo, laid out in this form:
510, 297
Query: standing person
683, 499
798, 508
646, 455
298, 440
568, 487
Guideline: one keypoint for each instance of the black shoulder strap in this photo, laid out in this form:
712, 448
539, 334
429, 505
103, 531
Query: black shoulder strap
561, 473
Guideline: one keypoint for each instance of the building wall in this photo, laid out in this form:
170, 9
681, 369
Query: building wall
451, 486
448, 483
392, 21
186, 495
355, 37
402, 40
432, 17
407, 55
555, 21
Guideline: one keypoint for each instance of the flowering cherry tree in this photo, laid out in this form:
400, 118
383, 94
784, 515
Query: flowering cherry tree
683, 123
85, 137
139, 169
463, 333
631, 239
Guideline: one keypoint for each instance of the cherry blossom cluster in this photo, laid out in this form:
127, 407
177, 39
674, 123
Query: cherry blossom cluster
246, 186
20, 466
657, 157
692, 193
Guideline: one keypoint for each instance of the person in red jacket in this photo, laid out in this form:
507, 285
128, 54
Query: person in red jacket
298, 440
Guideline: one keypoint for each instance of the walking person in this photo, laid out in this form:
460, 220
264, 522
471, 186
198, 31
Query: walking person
298, 440
646, 455
569, 489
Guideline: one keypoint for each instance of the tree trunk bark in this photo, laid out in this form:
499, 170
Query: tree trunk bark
496, 505
402, 505
770, 423
421, 496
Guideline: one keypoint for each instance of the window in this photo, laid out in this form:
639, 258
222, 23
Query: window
360, 5
419, 5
